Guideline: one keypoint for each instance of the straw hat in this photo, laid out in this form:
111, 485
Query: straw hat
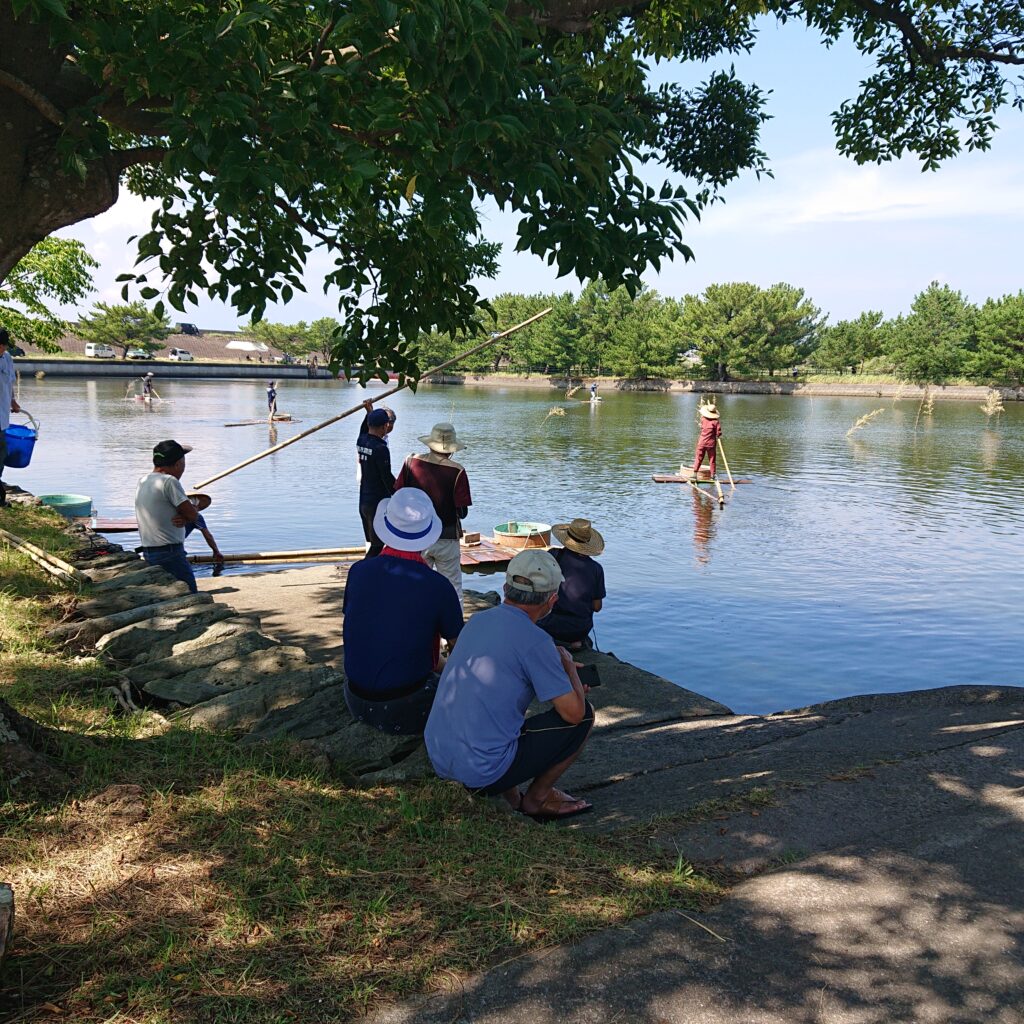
579, 536
708, 409
407, 521
442, 439
201, 501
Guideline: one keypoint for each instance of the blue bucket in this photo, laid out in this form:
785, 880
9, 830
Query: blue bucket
20, 442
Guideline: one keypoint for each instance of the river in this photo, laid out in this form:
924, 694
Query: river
886, 560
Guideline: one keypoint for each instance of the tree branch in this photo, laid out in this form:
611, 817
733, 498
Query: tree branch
33, 97
126, 158
892, 14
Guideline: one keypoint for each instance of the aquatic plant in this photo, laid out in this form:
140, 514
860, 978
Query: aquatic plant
555, 410
865, 420
927, 405
993, 404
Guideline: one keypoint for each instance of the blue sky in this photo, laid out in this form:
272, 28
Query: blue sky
853, 238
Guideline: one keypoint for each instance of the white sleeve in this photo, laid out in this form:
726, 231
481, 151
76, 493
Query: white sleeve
173, 491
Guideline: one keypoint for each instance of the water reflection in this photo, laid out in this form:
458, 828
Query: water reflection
849, 565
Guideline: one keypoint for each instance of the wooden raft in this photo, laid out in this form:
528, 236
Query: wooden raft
675, 478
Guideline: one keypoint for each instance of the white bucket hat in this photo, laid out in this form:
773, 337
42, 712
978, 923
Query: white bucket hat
442, 439
406, 521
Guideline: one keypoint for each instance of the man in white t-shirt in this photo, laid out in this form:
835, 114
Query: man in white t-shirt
7, 402
160, 501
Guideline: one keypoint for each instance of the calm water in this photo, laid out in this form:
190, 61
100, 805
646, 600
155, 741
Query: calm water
885, 561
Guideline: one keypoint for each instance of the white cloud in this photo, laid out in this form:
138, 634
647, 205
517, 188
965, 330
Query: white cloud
821, 187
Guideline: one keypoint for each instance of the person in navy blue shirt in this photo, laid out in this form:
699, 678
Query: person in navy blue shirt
376, 481
582, 591
392, 673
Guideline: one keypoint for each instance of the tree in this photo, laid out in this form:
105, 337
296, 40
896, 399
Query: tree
55, 269
999, 358
130, 326
849, 343
717, 323
292, 339
932, 344
266, 128
783, 332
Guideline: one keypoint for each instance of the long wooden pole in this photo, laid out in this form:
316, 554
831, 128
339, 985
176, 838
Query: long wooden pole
44, 559
721, 448
356, 408
706, 497
351, 556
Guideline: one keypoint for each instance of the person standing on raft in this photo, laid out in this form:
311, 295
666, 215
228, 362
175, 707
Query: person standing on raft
271, 400
710, 432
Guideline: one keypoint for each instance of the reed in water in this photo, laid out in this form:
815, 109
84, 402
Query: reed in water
864, 420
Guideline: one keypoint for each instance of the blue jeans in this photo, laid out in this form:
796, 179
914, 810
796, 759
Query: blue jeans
173, 560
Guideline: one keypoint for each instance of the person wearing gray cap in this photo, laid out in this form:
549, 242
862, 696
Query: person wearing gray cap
478, 733
162, 509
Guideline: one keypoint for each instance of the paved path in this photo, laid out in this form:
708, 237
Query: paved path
881, 883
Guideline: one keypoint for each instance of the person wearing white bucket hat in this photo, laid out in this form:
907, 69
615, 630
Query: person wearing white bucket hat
478, 733
7, 402
448, 486
391, 673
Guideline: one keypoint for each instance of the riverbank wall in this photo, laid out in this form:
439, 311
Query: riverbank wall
963, 393
102, 368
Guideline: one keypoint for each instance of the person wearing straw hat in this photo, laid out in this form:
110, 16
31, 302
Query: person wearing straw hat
391, 674
162, 509
8, 404
710, 432
448, 486
582, 591
478, 733
202, 502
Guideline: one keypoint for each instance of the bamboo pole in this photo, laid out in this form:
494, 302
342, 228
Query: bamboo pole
277, 560
257, 556
385, 394
51, 563
721, 496
721, 448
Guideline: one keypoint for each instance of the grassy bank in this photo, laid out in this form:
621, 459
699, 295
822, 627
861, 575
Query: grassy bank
166, 875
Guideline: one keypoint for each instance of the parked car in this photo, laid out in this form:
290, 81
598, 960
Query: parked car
285, 359
189, 329
97, 350
136, 353
181, 355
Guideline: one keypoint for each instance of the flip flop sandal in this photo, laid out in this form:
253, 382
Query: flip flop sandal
546, 816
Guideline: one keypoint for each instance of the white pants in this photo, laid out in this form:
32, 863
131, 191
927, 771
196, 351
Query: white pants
445, 557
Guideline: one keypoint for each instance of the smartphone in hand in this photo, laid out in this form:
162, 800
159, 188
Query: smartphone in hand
588, 675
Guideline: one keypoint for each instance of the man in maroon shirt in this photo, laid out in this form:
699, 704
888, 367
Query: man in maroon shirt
710, 432
448, 486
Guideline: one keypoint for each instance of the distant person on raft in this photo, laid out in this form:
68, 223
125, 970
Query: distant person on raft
271, 400
710, 432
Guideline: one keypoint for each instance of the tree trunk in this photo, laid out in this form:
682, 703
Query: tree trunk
6, 920
42, 196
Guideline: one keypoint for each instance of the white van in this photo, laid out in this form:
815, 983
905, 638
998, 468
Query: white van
180, 355
97, 350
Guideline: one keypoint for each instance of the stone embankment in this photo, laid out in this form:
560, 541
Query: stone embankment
840, 388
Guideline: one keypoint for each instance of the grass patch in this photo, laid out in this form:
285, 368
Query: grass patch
182, 876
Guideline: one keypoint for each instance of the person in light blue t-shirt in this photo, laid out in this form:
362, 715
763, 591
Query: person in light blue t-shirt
478, 733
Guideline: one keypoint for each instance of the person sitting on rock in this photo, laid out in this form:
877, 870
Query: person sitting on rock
582, 591
478, 733
392, 673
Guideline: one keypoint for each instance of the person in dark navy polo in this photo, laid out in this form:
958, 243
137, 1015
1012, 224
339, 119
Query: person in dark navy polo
582, 591
376, 481
391, 673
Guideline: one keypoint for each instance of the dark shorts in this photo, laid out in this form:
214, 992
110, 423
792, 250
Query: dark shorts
366, 514
3, 452
398, 716
546, 740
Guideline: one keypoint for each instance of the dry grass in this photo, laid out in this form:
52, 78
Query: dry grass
993, 404
555, 410
865, 420
178, 876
